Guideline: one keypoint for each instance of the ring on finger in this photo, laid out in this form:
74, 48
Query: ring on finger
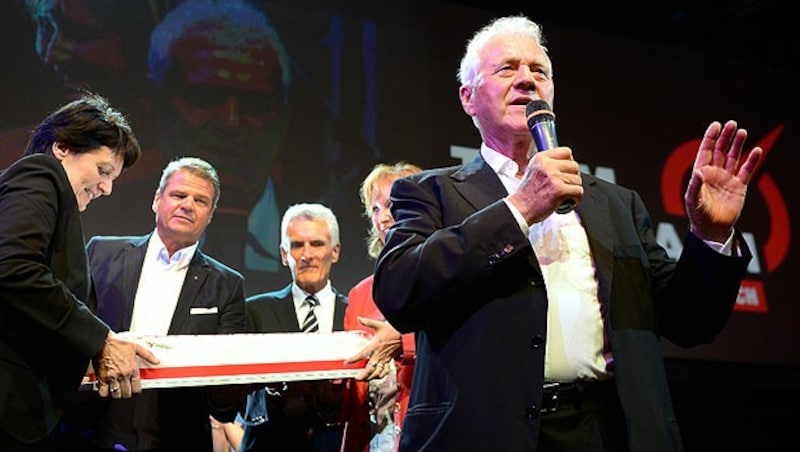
114, 389
373, 364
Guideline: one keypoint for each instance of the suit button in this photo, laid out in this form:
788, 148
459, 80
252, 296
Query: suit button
537, 342
532, 412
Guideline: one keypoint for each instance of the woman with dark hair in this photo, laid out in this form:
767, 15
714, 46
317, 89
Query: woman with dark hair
48, 334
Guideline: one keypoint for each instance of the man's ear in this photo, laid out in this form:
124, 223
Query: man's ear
156, 199
465, 93
283, 257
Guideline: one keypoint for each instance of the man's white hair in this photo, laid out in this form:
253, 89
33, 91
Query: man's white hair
468, 70
309, 211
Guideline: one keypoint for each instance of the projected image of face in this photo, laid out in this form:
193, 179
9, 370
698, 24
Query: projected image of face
221, 71
87, 43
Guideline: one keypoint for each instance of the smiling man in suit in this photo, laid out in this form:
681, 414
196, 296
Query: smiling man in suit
299, 416
162, 284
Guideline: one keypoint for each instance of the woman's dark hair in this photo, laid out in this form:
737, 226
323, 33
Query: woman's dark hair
84, 125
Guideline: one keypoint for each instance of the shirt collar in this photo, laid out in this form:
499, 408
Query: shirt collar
500, 163
299, 295
180, 259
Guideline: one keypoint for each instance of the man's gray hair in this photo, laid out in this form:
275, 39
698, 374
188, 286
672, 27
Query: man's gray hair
468, 70
309, 211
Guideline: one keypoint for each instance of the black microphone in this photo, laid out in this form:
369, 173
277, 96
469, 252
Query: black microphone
542, 124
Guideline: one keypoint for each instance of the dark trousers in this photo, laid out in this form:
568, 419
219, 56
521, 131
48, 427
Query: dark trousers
583, 418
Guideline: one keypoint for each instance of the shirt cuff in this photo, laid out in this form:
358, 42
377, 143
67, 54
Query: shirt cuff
523, 225
724, 248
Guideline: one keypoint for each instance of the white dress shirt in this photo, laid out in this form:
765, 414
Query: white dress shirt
159, 287
324, 312
575, 336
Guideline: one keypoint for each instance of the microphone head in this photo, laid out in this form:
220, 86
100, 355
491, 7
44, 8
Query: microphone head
537, 111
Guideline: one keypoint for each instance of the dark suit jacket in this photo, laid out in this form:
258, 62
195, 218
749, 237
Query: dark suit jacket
47, 334
280, 419
273, 312
457, 270
116, 264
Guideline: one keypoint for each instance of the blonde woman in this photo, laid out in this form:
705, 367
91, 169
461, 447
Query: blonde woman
377, 400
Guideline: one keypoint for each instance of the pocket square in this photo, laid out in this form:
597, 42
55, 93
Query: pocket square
203, 310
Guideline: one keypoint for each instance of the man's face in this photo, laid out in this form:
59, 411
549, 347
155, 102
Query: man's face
226, 105
310, 255
513, 70
184, 210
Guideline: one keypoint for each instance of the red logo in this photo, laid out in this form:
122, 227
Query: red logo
751, 293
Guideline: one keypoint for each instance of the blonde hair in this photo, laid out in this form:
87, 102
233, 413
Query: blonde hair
369, 186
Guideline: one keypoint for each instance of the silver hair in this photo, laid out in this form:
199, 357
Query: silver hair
309, 211
468, 70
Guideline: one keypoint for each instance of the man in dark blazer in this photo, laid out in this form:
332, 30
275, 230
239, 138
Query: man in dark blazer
540, 331
305, 415
162, 284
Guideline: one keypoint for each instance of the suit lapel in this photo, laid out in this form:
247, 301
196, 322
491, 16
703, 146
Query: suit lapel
285, 312
132, 262
594, 215
478, 184
339, 306
196, 276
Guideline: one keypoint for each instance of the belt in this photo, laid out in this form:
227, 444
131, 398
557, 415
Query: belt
558, 395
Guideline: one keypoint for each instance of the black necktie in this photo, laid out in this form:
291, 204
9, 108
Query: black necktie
310, 324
